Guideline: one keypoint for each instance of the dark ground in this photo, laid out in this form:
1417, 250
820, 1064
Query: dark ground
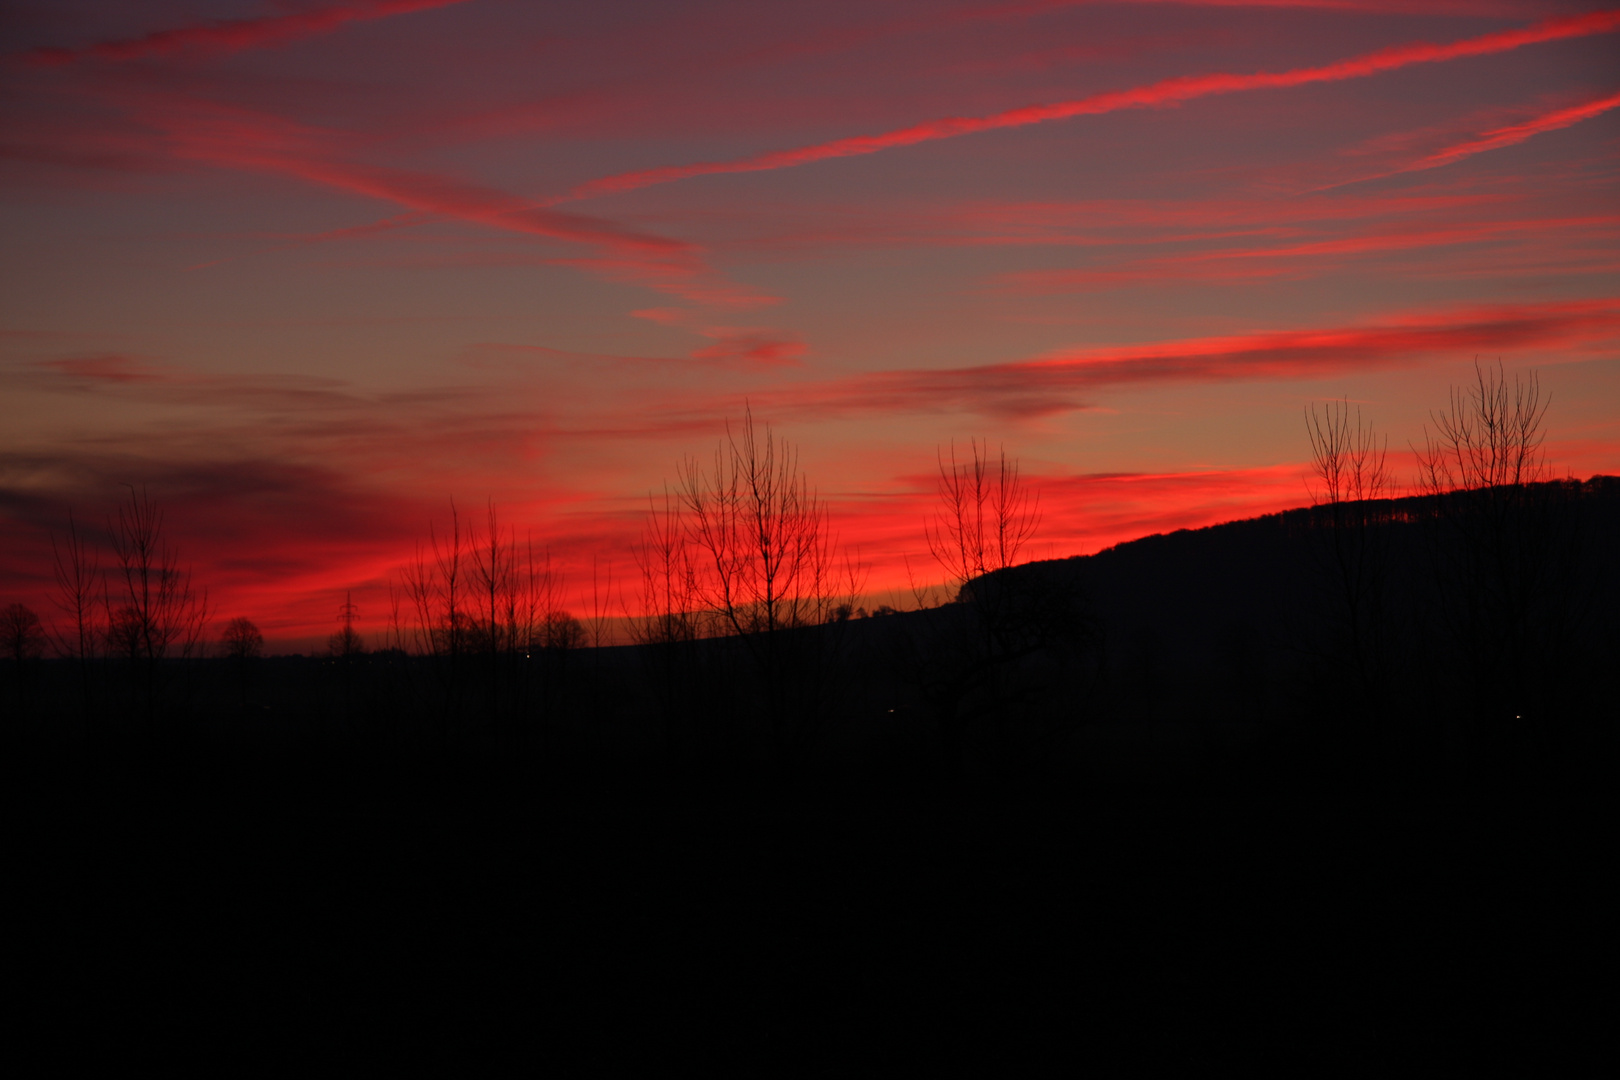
1172, 836
1264, 912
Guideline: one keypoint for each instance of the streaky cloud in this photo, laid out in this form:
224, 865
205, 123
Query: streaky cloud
1514, 134
235, 35
243, 139
1307, 256
1166, 92
1054, 383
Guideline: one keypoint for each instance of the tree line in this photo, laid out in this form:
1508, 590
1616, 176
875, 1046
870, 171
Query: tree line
746, 635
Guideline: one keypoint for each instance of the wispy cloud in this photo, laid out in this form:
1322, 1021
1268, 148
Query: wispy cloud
763, 348
750, 346
1059, 381
235, 35
1510, 135
789, 230
248, 140
1163, 93
105, 367
274, 540
1307, 256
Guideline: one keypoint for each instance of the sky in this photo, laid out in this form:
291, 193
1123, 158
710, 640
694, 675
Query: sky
307, 271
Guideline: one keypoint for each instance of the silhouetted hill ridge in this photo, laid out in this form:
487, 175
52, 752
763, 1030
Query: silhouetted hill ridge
1243, 596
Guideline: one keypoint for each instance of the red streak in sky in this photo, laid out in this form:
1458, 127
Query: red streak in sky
234, 35
1047, 385
1166, 92
1517, 133
1276, 260
243, 139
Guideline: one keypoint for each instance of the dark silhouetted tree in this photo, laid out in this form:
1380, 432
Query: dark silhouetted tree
435, 583
669, 592
22, 635
22, 643
80, 596
1002, 617
1488, 438
242, 644
599, 626
504, 623
667, 622
1350, 481
158, 618
767, 564
242, 640
563, 632
1505, 551
484, 604
986, 514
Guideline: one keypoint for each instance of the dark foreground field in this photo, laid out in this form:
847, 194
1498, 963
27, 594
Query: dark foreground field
1173, 808
1272, 908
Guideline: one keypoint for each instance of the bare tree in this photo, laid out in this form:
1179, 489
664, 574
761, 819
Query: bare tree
667, 622
768, 565
563, 633
123, 631
519, 627
159, 617
986, 515
976, 660
242, 643
494, 630
450, 589
80, 591
1489, 436
242, 640
1350, 479
435, 586
669, 593
78, 585
1348, 459
549, 635
481, 601
764, 535
599, 629
494, 573
1505, 547
22, 635
22, 643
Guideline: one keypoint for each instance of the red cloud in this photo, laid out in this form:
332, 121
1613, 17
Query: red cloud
1504, 9
1400, 148
753, 347
1050, 384
241, 139
1517, 133
1290, 259
234, 35
1163, 93
275, 541
108, 368
1096, 223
